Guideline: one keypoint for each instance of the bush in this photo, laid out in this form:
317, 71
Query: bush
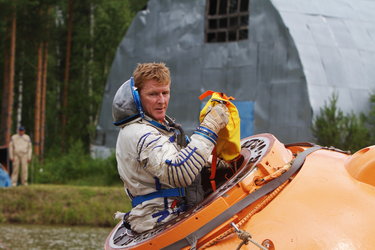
371, 118
333, 128
77, 168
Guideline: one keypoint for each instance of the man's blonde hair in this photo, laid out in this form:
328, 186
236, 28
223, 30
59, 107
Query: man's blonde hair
151, 71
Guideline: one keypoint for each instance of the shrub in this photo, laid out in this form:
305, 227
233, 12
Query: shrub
371, 118
76, 167
333, 128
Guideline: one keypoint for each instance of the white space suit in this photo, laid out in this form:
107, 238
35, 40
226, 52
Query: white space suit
153, 167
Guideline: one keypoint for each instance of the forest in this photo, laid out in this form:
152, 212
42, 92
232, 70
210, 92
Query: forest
55, 56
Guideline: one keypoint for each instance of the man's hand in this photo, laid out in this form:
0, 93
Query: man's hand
216, 118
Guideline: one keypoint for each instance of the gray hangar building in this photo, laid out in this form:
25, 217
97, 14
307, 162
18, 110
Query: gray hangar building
281, 60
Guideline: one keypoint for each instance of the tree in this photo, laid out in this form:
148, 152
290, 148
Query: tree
69, 45
8, 89
370, 119
333, 128
67, 69
44, 97
38, 95
5, 96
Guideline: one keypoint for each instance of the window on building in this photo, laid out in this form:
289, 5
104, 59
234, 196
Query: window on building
226, 20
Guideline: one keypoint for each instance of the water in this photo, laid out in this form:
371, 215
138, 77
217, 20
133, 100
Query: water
35, 237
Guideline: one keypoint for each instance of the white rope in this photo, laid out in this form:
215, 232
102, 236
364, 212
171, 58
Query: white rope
245, 237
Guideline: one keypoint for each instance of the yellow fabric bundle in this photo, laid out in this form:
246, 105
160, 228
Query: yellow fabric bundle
228, 145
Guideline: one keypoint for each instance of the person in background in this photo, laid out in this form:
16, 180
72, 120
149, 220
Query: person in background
20, 152
159, 165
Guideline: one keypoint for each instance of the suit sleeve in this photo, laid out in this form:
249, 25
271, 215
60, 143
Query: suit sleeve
11, 148
176, 167
30, 150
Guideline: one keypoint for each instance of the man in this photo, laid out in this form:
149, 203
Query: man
20, 151
155, 161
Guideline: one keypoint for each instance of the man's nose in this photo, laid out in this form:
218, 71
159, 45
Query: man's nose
161, 98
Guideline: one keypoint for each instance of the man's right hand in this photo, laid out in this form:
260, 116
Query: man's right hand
216, 118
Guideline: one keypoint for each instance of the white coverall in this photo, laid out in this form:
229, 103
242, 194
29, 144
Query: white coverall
20, 151
145, 151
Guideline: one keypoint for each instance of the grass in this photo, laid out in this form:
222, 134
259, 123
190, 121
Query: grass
62, 205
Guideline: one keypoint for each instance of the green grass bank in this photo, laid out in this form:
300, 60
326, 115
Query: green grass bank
62, 205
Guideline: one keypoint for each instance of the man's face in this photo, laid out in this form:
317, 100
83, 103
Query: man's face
155, 99
21, 132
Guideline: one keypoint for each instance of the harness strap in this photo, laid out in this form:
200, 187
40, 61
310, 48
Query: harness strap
179, 133
213, 170
172, 192
227, 214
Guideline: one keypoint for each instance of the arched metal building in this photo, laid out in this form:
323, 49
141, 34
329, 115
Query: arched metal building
285, 58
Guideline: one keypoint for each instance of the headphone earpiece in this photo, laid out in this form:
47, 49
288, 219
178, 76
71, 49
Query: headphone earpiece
136, 97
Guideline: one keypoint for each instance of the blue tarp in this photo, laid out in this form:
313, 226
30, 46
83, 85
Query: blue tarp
4, 178
246, 111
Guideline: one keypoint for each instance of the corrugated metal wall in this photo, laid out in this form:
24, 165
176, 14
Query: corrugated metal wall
285, 68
